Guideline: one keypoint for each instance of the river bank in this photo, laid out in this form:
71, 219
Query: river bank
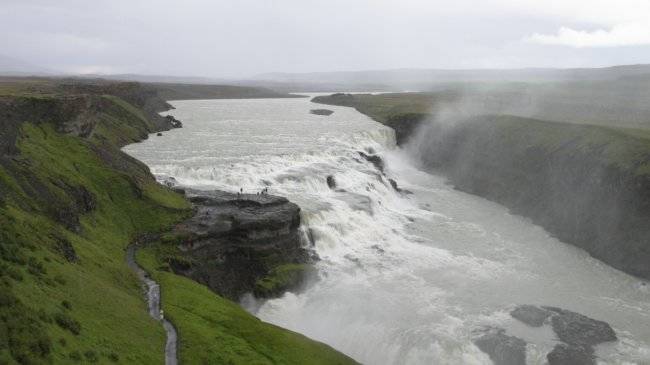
71, 202
588, 185
408, 275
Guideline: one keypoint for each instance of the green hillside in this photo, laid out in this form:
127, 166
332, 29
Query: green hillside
70, 203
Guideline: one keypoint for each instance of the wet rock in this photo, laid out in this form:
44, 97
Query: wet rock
577, 332
234, 242
531, 315
393, 183
173, 122
375, 160
563, 354
576, 329
169, 181
502, 349
158, 134
331, 183
325, 112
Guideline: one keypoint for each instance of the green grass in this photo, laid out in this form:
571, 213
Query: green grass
104, 318
214, 330
622, 147
281, 278
382, 107
69, 207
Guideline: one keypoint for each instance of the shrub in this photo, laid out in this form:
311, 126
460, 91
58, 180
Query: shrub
75, 356
35, 267
66, 322
113, 357
91, 356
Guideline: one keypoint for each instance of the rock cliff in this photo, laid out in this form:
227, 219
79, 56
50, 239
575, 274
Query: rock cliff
239, 243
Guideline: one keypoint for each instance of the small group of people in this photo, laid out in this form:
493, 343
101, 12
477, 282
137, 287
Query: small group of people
264, 191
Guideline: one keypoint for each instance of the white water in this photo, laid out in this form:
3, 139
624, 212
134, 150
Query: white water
403, 279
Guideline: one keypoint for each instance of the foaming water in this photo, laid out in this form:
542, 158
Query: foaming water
403, 278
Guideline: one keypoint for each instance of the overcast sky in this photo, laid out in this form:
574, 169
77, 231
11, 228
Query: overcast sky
241, 38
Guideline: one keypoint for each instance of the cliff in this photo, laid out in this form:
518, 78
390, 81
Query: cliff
70, 204
588, 185
254, 239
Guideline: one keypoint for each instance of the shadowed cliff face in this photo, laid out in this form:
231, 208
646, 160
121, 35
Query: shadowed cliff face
587, 185
237, 243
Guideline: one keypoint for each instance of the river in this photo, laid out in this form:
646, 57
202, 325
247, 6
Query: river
403, 278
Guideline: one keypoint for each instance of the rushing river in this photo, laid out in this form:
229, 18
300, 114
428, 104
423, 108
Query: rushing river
404, 279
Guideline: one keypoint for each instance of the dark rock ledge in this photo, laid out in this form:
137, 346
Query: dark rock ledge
577, 334
241, 243
324, 112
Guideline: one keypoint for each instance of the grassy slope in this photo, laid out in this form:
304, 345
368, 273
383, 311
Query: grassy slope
627, 148
382, 107
187, 92
214, 330
166, 91
91, 309
587, 184
104, 296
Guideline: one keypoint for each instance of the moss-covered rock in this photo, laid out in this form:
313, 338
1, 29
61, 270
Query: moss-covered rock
281, 279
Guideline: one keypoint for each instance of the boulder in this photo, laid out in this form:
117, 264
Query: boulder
577, 329
577, 333
531, 315
502, 349
324, 112
173, 122
563, 354
331, 183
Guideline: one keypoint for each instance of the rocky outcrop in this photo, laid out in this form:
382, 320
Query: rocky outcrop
376, 160
324, 112
173, 122
331, 182
563, 354
239, 243
405, 125
577, 333
502, 349
531, 315
575, 329
587, 185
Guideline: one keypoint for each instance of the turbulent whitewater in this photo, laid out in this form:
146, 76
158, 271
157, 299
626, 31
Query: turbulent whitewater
403, 278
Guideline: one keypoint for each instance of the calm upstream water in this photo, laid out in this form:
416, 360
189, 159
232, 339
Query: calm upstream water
404, 279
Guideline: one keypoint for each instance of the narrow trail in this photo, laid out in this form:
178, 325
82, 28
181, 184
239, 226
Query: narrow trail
153, 302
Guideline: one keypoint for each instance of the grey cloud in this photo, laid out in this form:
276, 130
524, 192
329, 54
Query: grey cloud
241, 38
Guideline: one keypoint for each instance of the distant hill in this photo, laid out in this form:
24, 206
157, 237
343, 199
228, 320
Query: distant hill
166, 91
425, 79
